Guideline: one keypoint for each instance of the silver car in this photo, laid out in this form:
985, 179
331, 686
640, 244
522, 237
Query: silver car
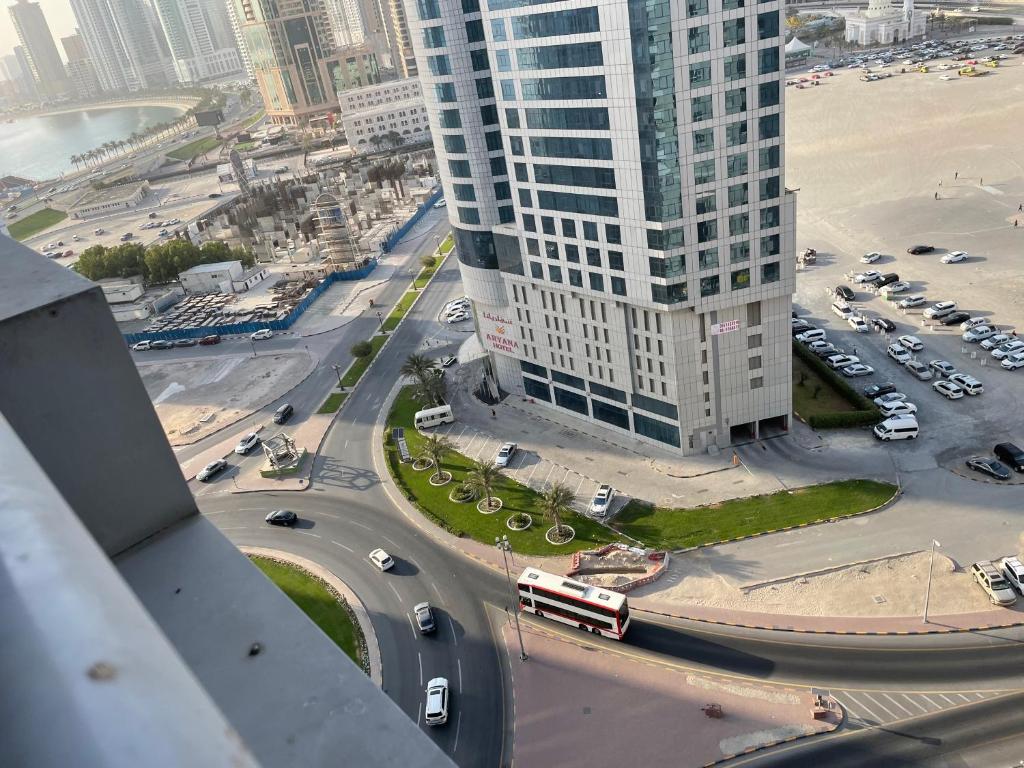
505, 454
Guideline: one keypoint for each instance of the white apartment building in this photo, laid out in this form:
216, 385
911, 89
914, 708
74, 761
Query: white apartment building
615, 183
376, 110
201, 39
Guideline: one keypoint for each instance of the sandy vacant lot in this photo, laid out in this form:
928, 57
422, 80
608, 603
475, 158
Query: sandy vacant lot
197, 397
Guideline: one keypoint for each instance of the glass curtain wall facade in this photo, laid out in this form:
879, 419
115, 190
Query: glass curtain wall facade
614, 178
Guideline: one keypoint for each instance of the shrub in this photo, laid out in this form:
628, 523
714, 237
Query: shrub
361, 349
843, 420
867, 412
427, 261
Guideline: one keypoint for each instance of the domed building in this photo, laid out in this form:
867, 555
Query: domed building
885, 23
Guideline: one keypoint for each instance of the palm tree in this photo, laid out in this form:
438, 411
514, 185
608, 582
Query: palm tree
75, 160
481, 479
555, 502
435, 448
430, 389
418, 367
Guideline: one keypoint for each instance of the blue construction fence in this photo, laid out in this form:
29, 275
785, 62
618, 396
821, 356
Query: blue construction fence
403, 230
274, 325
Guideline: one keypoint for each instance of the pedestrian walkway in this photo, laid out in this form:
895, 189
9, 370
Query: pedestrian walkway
343, 302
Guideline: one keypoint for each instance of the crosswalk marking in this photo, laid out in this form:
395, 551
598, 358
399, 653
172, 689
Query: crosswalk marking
869, 709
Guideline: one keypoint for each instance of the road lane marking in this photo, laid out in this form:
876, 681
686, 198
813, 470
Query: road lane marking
455, 638
438, 591
250, 509
347, 549
419, 655
863, 706
460, 675
890, 698
937, 706
915, 702
307, 533
892, 715
411, 625
458, 727
948, 700
419, 713
215, 512
392, 588
232, 528
963, 697
361, 525
389, 541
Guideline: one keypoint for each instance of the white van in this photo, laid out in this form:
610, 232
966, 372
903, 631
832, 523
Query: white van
843, 310
431, 417
897, 428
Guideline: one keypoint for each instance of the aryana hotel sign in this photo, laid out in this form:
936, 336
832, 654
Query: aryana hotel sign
497, 332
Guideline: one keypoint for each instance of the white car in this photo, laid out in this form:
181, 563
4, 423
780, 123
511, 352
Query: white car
992, 342
870, 258
261, 334
941, 309
867, 277
247, 443
1013, 362
967, 383
900, 286
911, 342
859, 325
966, 325
440, 204
835, 362
1004, 350
953, 257
947, 78
857, 369
919, 370
978, 332
948, 390
898, 408
899, 353
458, 317
436, 710
505, 454
910, 302
892, 397
382, 559
1013, 570
826, 346
602, 500
141, 346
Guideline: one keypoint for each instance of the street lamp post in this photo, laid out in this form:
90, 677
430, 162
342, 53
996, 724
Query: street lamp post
253, 345
380, 319
506, 547
928, 589
337, 372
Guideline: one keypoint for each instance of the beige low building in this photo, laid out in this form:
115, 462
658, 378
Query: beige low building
97, 202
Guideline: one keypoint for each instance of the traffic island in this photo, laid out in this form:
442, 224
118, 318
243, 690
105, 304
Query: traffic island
575, 699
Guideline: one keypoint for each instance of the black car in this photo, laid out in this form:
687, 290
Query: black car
282, 517
989, 467
213, 195
917, 249
185, 343
842, 292
877, 390
955, 318
282, 414
1010, 454
162, 345
801, 327
884, 325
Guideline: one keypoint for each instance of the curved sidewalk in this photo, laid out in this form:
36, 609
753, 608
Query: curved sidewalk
362, 617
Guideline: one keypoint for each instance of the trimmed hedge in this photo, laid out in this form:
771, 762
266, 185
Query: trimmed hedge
867, 412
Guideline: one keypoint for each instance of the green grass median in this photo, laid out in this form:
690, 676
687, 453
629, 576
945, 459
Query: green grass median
396, 314
333, 402
195, 148
359, 366
326, 609
679, 528
464, 519
35, 223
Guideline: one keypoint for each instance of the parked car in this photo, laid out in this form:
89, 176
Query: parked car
162, 344
211, 339
948, 389
1013, 362
899, 286
436, 710
382, 560
142, 346
886, 326
602, 500
978, 332
283, 517
424, 617
941, 309
835, 362
505, 454
820, 346
261, 334
967, 383
867, 277
910, 302
898, 408
877, 390
919, 370
800, 326
991, 467
993, 342
1013, 571
185, 343
247, 443
972, 322
870, 258
912, 343
890, 397
899, 353
953, 257
919, 249
859, 324
954, 318
1006, 349
458, 317
942, 367
993, 583
843, 292
814, 334
1011, 455
857, 369
211, 469
282, 414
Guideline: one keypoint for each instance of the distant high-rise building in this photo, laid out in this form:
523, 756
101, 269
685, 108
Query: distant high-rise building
293, 55
615, 178
45, 66
346, 21
236, 31
401, 43
200, 38
28, 83
80, 68
11, 71
123, 44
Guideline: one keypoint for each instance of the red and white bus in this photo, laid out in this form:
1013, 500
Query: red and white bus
581, 605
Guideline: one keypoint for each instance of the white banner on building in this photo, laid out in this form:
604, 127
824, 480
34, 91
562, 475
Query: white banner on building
497, 332
727, 327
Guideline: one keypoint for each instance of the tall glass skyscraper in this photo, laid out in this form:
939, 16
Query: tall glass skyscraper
614, 178
45, 66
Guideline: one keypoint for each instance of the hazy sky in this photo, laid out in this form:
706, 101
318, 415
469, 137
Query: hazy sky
58, 15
